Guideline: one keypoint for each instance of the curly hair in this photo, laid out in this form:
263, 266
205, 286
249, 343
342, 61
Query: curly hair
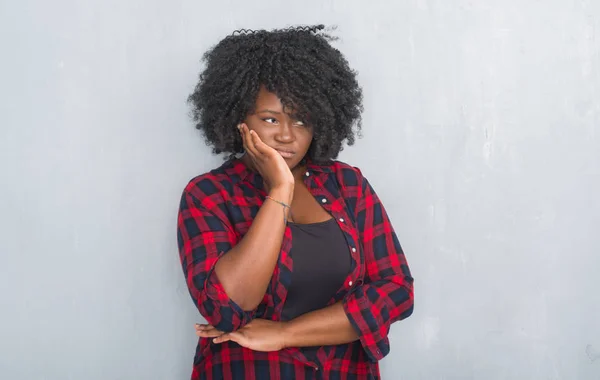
298, 64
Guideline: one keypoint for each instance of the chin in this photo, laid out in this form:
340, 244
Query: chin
294, 163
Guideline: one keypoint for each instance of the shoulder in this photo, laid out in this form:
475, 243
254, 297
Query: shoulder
346, 174
351, 180
212, 185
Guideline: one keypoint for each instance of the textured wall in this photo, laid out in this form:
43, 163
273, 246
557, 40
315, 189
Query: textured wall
481, 135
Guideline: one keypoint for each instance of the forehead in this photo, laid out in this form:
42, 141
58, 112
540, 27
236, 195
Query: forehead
266, 99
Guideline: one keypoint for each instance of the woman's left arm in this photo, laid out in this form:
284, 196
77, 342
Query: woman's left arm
324, 327
386, 296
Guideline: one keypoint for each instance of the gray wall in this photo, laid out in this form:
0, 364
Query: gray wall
481, 136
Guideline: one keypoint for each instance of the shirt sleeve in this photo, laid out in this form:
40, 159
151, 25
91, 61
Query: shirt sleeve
202, 239
386, 295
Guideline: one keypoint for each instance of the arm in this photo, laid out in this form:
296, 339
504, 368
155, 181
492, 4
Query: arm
324, 327
228, 279
226, 294
327, 326
386, 296
245, 271
367, 312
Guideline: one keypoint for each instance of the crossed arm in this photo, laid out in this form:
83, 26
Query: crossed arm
328, 326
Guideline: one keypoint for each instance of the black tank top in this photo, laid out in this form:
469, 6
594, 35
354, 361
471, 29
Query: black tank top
322, 262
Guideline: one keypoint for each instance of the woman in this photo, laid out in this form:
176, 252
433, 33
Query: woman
289, 255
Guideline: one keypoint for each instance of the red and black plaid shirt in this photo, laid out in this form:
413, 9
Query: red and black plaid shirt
217, 210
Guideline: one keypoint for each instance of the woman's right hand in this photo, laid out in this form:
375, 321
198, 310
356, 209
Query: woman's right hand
267, 161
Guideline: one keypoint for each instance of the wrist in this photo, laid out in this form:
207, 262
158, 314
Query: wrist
286, 335
283, 193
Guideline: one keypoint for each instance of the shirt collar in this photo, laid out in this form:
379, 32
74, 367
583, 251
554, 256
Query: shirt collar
240, 169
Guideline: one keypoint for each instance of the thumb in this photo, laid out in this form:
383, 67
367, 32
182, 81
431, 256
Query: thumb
232, 336
222, 338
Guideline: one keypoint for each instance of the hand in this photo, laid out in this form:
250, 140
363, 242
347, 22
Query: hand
267, 161
207, 331
258, 335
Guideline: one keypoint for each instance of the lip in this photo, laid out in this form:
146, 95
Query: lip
286, 153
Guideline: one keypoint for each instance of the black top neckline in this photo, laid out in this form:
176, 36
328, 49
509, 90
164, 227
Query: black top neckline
311, 224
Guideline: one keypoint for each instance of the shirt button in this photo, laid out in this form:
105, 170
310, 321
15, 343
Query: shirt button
323, 200
349, 283
342, 220
353, 249
316, 368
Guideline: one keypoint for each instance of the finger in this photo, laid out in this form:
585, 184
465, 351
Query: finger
260, 146
222, 338
207, 329
248, 138
209, 333
204, 325
249, 142
243, 134
234, 336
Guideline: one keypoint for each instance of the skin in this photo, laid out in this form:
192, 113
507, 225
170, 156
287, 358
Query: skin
281, 132
327, 326
275, 144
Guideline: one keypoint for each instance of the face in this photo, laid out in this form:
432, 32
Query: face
276, 128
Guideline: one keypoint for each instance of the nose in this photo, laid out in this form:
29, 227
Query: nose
285, 133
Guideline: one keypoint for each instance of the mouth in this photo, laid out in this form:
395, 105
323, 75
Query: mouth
286, 153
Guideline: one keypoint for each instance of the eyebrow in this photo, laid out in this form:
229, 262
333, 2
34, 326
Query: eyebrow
270, 111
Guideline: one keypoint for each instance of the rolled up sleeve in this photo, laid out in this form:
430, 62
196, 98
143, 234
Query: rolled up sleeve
386, 295
202, 239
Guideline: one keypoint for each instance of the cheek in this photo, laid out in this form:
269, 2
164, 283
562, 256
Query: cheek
262, 134
307, 138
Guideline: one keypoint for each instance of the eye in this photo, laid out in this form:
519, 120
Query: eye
299, 123
270, 120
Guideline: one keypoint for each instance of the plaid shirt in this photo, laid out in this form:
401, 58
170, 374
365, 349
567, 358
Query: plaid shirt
215, 213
